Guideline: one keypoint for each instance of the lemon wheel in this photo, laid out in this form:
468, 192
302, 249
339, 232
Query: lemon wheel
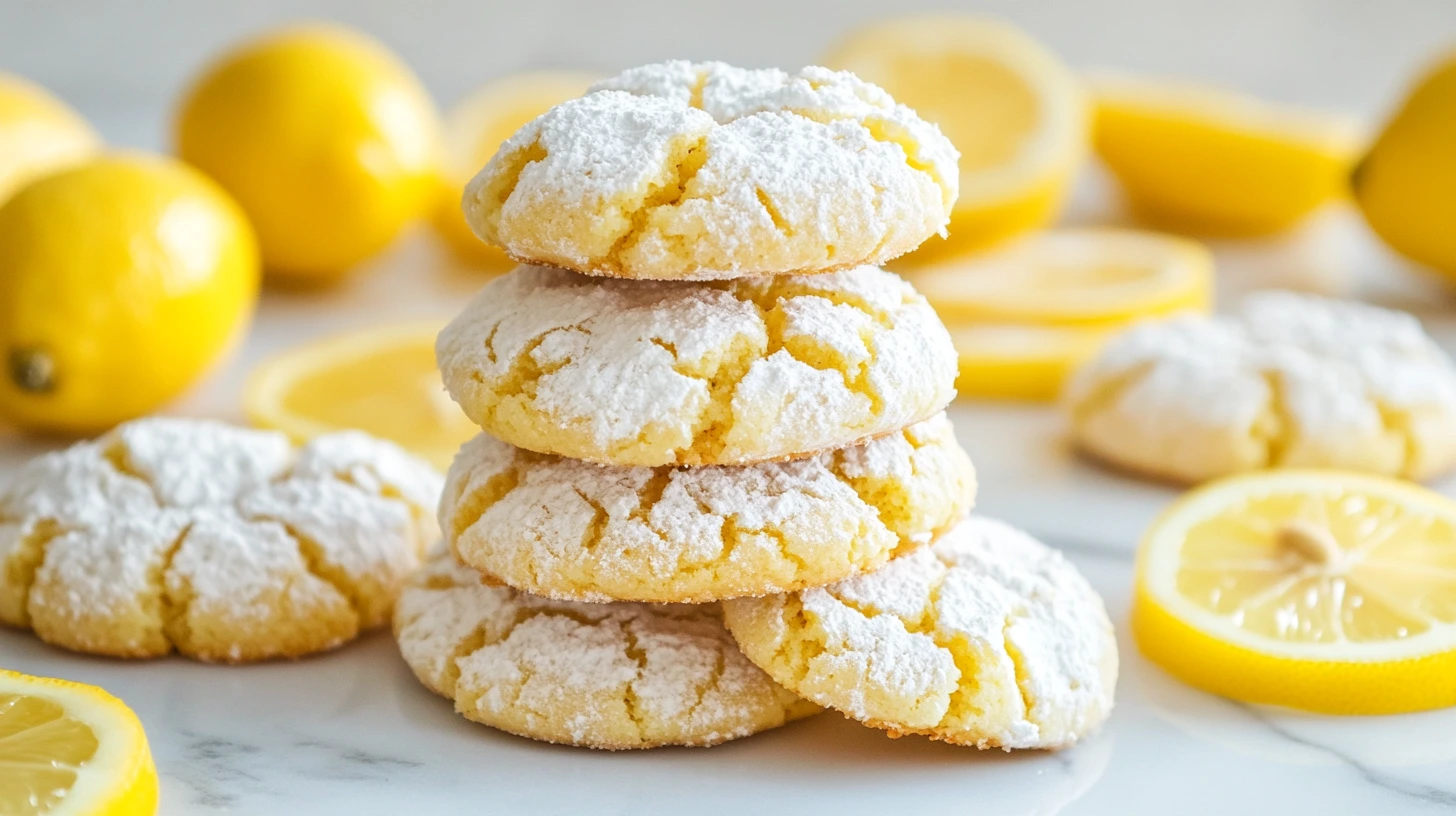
1015, 361
68, 748
1321, 590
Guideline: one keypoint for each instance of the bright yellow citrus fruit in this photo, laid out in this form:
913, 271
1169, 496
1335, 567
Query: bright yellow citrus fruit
474, 130
1017, 115
1087, 277
326, 139
1322, 590
121, 281
39, 134
1210, 161
1020, 361
381, 380
1406, 185
68, 748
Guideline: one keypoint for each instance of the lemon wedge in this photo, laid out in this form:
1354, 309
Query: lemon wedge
1017, 115
474, 130
69, 748
1321, 590
1016, 361
381, 380
1085, 277
1207, 160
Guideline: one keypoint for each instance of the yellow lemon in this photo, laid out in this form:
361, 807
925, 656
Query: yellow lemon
1092, 276
474, 130
381, 380
326, 139
1406, 185
39, 134
68, 748
1321, 590
1021, 361
1017, 115
121, 281
1202, 159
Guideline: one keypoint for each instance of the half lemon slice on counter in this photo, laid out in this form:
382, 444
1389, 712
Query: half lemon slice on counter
1074, 276
381, 380
1016, 361
1321, 590
1018, 116
69, 748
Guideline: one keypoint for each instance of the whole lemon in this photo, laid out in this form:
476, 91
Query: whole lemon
1406, 184
121, 280
325, 138
39, 134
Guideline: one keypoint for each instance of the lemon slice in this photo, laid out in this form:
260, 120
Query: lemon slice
71, 748
1322, 590
1021, 361
381, 380
474, 130
1017, 115
1211, 161
1074, 276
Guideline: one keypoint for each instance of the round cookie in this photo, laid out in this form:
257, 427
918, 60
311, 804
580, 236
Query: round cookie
223, 543
613, 676
985, 638
731, 372
1288, 381
698, 171
572, 530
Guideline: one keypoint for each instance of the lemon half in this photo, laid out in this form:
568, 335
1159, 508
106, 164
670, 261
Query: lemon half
1321, 590
1017, 361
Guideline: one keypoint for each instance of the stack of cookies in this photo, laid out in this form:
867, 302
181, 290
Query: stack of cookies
700, 388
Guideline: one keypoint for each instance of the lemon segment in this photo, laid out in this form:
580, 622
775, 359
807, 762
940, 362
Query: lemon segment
1321, 590
39, 134
1087, 277
327, 140
68, 748
381, 380
1017, 115
1206, 160
1406, 184
474, 130
1021, 361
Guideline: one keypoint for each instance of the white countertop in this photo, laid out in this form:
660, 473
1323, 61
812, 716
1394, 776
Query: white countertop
353, 732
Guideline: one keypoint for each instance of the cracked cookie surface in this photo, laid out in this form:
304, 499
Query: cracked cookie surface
572, 530
696, 171
728, 372
613, 676
1289, 380
223, 543
985, 638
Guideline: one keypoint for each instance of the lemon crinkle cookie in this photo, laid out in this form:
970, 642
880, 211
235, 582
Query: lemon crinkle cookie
614, 676
1288, 381
682, 170
224, 543
576, 531
730, 372
985, 638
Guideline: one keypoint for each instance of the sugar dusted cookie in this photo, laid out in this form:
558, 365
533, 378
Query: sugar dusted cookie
680, 171
986, 638
576, 531
223, 543
612, 676
1288, 381
731, 372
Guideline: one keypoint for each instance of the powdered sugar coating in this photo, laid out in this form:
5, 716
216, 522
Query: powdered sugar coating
1289, 380
223, 543
985, 638
612, 676
696, 171
572, 530
734, 372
